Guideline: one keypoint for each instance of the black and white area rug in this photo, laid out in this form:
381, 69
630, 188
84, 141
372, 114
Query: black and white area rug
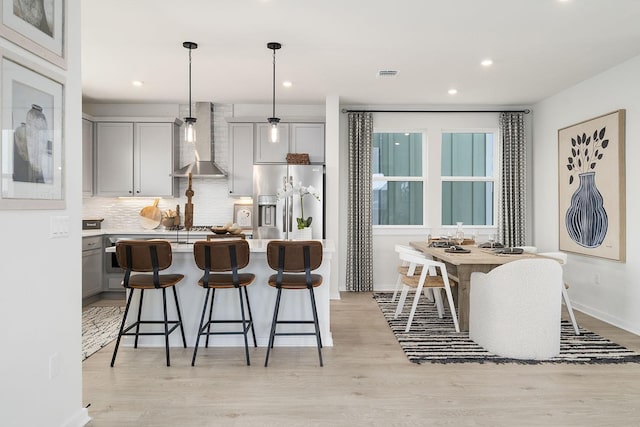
435, 340
99, 327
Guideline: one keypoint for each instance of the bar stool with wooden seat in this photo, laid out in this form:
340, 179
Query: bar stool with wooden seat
144, 257
294, 261
215, 257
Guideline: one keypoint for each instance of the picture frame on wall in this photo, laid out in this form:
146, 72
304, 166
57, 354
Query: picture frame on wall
243, 215
37, 26
591, 181
32, 145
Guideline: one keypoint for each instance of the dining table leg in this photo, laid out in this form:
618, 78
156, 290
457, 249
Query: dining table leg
464, 287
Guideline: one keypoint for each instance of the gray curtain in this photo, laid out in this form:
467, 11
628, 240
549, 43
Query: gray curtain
511, 220
360, 223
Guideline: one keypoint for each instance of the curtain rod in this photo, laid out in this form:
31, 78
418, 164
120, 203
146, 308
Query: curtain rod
526, 111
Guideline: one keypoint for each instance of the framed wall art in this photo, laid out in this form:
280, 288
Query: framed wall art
36, 25
31, 153
243, 216
591, 184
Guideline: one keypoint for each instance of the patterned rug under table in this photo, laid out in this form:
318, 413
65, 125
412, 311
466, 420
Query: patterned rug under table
99, 327
435, 340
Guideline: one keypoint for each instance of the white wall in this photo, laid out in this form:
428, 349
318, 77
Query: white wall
40, 307
616, 298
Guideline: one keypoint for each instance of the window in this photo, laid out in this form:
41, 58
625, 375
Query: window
468, 178
397, 181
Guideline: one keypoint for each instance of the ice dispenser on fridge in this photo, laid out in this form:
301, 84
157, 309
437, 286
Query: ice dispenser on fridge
267, 211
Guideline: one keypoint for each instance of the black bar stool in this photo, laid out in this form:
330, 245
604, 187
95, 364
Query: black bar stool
215, 258
147, 256
294, 262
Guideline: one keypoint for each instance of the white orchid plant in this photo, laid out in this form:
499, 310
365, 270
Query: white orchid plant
299, 191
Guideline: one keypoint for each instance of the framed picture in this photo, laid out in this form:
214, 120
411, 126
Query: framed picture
243, 215
591, 184
31, 152
36, 25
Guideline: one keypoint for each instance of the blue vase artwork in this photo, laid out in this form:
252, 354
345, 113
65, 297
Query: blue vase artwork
586, 219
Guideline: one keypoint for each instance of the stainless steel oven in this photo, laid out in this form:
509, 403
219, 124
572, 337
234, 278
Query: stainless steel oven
111, 262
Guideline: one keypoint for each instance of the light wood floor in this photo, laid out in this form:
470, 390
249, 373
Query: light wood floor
366, 381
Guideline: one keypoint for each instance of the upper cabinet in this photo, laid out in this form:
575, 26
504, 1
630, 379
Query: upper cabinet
87, 157
293, 138
308, 138
266, 151
136, 158
241, 159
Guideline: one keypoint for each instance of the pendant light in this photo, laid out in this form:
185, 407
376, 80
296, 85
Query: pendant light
273, 120
189, 129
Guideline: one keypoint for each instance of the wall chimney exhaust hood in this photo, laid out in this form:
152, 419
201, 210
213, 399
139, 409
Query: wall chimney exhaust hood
204, 165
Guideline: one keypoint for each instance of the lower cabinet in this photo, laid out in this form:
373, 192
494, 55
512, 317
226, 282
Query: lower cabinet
91, 266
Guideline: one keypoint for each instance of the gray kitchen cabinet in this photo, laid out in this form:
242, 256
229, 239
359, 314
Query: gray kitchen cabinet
241, 159
308, 138
293, 138
87, 157
91, 266
136, 158
269, 152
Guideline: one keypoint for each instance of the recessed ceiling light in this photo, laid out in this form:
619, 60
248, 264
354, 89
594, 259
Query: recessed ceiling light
287, 83
396, 143
487, 62
453, 91
386, 74
137, 83
407, 134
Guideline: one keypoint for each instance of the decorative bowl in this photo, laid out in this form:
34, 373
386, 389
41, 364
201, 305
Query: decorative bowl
219, 230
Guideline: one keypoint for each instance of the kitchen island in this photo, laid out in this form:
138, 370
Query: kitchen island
294, 304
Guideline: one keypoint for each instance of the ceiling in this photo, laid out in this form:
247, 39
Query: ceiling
336, 47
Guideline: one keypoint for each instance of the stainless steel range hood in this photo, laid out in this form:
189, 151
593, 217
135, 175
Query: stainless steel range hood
204, 166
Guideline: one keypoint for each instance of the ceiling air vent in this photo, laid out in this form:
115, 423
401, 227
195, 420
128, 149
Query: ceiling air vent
387, 74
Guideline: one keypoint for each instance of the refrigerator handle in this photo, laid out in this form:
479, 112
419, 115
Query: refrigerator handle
291, 206
291, 214
284, 206
284, 216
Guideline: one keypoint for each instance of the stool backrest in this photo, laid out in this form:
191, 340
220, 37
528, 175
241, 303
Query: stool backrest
145, 255
293, 255
220, 254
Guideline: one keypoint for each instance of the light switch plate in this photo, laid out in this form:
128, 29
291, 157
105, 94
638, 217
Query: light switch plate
59, 227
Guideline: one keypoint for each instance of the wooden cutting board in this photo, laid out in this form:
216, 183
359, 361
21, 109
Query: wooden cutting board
150, 216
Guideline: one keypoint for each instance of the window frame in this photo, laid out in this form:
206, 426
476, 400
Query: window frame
495, 179
420, 178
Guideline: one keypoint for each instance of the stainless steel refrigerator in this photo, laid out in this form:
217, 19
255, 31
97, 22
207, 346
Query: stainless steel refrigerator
275, 217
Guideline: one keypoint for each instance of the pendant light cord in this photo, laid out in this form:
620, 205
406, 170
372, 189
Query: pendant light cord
190, 49
274, 83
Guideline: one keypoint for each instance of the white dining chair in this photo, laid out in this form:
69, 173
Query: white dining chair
405, 266
430, 279
562, 258
514, 309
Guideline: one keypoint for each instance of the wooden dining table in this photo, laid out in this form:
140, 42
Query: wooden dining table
461, 265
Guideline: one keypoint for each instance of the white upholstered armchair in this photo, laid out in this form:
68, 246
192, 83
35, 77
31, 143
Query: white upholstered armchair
515, 309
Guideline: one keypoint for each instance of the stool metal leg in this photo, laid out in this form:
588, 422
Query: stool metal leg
175, 297
272, 335
253, 331
204, 310
135, 344
124, 319
213, 296
244, 327
166, 325
315, 322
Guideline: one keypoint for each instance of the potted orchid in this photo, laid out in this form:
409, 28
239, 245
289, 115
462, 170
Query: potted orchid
299, 191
